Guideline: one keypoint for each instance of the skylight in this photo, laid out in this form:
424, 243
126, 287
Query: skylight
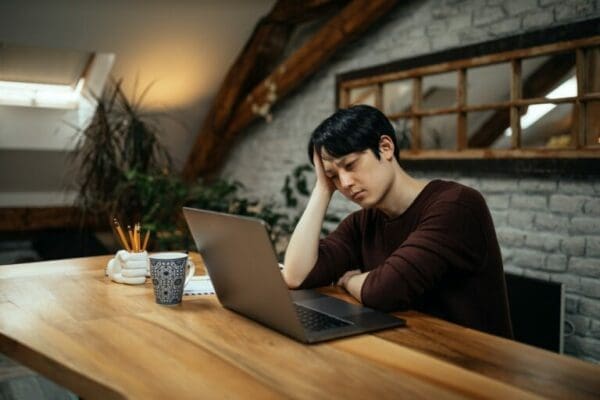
47, 96
42, 77
41, 94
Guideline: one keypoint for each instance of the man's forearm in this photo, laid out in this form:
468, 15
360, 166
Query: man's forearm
302, 251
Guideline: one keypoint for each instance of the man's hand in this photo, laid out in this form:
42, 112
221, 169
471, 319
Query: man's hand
344, 278
353, 281
323, 181
302, 251
130, 268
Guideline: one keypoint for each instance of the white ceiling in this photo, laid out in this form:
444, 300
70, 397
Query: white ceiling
41, 64
185, 47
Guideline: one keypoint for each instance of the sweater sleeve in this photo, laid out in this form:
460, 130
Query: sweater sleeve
448, 236
338, 252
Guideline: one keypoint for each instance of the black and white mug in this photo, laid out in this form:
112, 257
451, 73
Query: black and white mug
169, 276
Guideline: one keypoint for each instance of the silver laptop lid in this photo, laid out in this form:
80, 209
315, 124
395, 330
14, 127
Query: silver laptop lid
240, 260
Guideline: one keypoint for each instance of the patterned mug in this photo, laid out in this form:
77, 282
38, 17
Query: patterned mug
169, 277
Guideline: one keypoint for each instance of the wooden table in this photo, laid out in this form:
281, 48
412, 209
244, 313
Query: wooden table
103, 340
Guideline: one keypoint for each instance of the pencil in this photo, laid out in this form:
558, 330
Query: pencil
130, 233
146, 240
121, 235
136, 235
134, 240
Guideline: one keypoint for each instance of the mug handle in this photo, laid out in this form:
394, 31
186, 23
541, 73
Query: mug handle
191, 271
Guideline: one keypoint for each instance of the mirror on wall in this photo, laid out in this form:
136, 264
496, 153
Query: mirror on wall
538, 101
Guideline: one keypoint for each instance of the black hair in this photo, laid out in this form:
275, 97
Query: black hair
350, 130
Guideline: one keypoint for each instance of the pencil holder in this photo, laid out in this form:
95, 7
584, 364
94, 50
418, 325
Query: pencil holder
128, 267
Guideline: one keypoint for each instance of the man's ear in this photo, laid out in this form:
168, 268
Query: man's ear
386, 147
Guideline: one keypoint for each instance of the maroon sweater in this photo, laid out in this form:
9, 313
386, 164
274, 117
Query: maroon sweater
441, 257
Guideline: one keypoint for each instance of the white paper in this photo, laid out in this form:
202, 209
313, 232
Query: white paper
199, 286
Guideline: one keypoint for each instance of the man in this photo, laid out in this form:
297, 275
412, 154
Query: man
427, 246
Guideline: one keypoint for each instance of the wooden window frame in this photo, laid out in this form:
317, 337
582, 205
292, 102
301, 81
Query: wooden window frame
577, 160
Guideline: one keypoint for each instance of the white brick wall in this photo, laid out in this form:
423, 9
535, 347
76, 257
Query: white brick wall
547, 228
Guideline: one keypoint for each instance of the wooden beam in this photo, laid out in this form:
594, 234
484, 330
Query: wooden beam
258, 57
36, 218
212, 145
479, 154
592, 84
579, 134
461, 101
515, 111
344, 98
495, 58
588, 98
379, 97
417, 99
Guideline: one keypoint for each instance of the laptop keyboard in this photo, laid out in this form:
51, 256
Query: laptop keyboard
316, 321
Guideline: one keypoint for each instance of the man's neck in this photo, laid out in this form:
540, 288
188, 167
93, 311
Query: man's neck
402, 193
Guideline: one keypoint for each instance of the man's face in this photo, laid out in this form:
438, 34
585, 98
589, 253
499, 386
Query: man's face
359, 176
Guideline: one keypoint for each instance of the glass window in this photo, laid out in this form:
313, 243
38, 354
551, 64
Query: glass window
439, 91
397, 97
488, 84
487, 129
547, 126
364, 95
542, 76
439, 132
548, 101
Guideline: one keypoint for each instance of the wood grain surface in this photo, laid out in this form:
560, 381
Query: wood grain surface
104, 340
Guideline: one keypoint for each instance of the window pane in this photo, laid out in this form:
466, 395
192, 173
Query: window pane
439, 91
363, 95
439, 132
547, 126
486, 129
489, 84
397, 96
551, 76
593, 124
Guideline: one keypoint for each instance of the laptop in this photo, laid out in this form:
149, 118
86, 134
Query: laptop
243, 267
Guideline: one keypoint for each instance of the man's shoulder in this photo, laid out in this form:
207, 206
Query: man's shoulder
454, 192
455, 195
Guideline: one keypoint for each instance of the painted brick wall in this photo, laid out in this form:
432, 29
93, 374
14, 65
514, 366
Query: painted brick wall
548, 228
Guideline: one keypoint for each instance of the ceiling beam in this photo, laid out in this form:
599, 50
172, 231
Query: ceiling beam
259, 57
212, 144
538, 84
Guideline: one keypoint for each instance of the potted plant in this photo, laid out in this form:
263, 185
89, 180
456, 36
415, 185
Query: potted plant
125, 172
119, 140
